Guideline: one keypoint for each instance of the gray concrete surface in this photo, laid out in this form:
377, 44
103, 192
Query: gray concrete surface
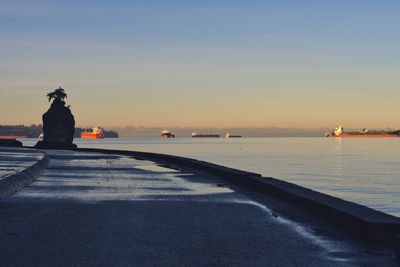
90, 209
19, 167
370, 225
15, 159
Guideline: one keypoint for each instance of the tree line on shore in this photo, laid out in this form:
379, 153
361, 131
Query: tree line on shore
34, 130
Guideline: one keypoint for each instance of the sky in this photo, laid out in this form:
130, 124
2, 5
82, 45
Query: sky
300, 64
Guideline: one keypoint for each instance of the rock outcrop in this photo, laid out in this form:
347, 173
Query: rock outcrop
58, 124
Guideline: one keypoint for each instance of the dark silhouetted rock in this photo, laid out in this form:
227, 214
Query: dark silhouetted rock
58, 124
10, 142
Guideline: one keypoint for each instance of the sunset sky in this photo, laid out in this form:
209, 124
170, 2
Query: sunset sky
205, 63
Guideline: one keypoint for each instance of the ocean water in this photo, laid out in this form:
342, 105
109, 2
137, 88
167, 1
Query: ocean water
365, 171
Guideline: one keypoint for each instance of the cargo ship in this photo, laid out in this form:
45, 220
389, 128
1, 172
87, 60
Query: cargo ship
167, 134
339, 132
94, 133
205, 135
229, 135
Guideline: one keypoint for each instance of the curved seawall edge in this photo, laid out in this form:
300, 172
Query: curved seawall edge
14, 182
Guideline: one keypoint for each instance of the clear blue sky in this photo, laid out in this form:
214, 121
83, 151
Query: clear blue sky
203, 63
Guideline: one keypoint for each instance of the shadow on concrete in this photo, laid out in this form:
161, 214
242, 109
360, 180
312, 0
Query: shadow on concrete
18, 158
101, 187
157, 233
84, 157
148, 233
89, 176
103, 169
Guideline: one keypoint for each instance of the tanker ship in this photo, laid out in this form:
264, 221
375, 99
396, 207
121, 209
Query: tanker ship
96, 132
339, 132
204, 135
229, 135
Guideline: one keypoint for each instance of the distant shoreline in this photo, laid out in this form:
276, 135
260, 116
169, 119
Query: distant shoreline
35, 130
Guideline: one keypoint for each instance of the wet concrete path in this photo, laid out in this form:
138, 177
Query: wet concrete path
90, 209
15, 159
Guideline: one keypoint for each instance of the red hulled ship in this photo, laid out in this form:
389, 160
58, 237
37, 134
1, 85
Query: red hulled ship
96, 132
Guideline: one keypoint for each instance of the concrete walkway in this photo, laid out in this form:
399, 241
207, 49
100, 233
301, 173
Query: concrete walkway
90, 209
15, 159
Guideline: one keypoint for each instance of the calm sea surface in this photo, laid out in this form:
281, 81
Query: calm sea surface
366, 171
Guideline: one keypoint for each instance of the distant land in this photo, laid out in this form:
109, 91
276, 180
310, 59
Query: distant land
154, 132
34, 130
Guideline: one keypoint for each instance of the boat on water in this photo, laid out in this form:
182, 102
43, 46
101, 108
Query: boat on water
195, 135
339, 132
167, 134
94, 133
229, 135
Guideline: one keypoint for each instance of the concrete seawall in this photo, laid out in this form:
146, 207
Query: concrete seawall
97, 209
365, 223
26, 174
108, 207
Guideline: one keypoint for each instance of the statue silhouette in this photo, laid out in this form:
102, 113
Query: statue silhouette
58, 123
